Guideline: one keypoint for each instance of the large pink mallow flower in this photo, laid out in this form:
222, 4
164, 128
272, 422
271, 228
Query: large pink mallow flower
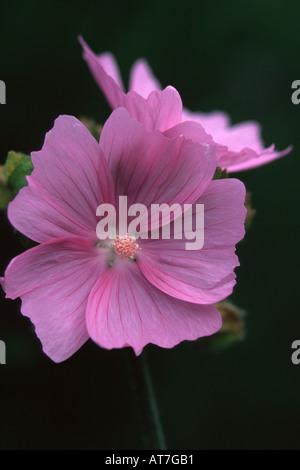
121, 292
240, 146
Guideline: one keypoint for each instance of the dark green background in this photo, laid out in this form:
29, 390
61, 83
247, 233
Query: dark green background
237, 56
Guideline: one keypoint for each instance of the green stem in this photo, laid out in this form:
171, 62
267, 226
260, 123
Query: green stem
143, 385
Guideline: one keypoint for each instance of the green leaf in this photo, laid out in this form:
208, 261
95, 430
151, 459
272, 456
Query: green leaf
232, 331
6, 195
17, 167
220, 174
222, 341
94, 128
23, 240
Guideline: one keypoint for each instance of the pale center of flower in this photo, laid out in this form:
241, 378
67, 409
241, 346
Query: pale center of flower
125, 247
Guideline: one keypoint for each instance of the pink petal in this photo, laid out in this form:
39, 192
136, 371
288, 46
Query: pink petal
196, 133
243, 147
161, 109
190, 130
203, 276
111, 89
211, 122
109, 64
124, 309
248, 159
70, 179
244, 135
151, 168
142, 79
54, 281
238, 147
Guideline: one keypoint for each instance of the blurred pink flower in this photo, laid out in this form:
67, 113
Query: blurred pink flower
74, 286
240, 146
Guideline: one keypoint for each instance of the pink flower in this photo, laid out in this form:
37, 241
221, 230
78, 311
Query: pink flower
240, 146
74, 287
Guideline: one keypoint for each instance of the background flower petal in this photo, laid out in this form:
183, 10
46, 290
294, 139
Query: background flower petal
211, 122
240, 147
109, 64
111, 89
142, 79
158, 110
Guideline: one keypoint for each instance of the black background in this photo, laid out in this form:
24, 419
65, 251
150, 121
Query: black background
241, 57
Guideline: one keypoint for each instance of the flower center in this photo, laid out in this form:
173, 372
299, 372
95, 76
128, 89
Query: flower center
125, 247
